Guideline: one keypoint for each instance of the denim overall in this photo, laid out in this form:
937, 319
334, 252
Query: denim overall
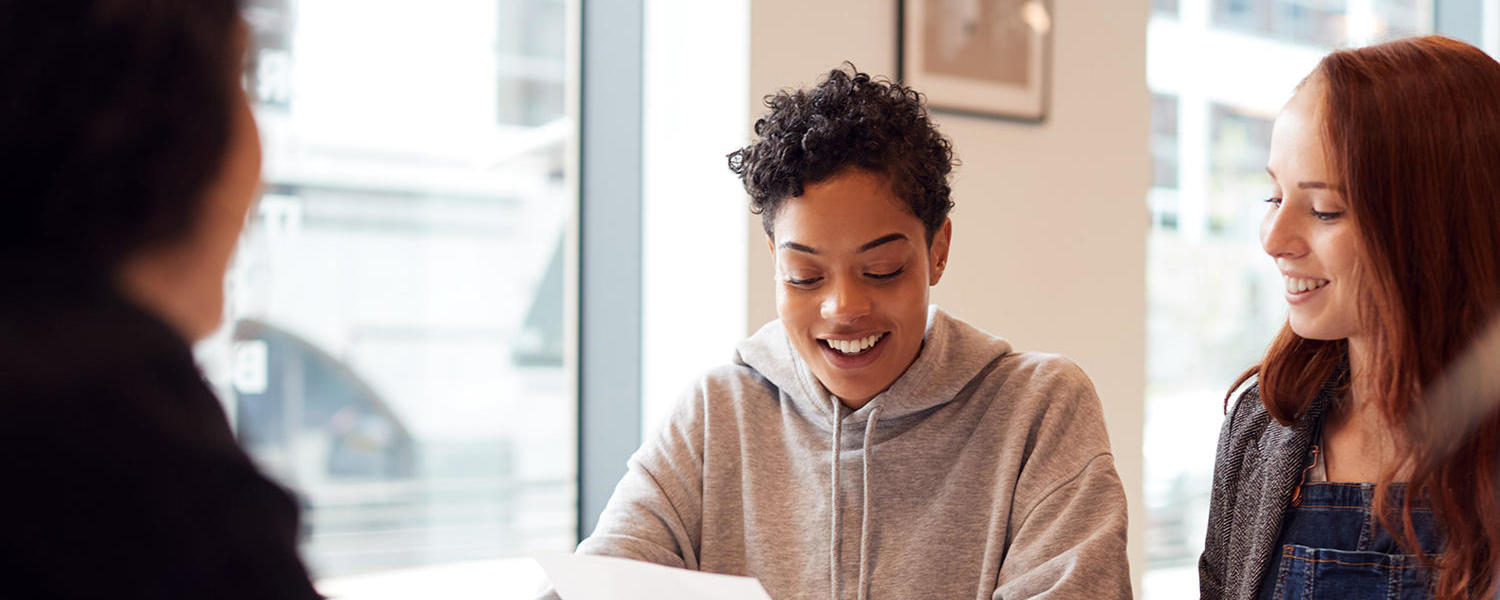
1332, 547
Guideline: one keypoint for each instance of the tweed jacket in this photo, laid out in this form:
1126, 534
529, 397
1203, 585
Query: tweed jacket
1258, 465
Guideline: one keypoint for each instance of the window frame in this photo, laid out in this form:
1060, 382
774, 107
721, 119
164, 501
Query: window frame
610, 136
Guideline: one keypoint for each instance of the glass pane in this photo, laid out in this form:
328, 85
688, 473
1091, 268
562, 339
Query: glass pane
1238, 146
395, 347
1311, 22
1402, 18
1253, 16
1319, 23
1164, 140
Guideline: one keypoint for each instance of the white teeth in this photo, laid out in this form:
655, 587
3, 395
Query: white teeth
1297, 285
854, 346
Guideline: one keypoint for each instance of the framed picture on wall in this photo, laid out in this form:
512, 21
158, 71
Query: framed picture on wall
984, 57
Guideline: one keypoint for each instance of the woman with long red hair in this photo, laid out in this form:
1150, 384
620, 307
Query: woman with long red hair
1341, 473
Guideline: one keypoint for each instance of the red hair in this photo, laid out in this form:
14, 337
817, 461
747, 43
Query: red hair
1412, 130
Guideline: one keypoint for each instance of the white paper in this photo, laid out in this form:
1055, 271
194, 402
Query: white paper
578, 577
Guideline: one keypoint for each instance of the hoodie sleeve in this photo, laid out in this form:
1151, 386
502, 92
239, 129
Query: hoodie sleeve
1068, 534
656, 511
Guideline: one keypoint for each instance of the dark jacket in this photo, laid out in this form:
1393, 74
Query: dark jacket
121, 477
1258, 465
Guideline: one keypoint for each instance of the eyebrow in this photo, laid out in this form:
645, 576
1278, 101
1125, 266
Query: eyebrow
1305, 185
882, 240
872, 244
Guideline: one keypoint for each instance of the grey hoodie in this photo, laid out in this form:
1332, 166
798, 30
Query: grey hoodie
980, 473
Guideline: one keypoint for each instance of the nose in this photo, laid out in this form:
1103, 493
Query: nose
1281, 235
847, 301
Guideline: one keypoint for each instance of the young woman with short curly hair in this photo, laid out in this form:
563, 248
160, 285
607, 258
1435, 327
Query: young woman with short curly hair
867, 444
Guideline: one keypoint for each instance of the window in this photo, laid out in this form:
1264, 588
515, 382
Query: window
1401, 18
1248, 15
1312, 22
394, 352
1164, 140
1163, 197
1239, 142
1327, 23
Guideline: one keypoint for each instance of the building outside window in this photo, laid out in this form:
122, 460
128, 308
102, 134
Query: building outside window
394, 352
1165, 167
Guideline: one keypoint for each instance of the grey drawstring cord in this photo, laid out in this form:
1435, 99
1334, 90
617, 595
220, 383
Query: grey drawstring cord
864, 515
833, 532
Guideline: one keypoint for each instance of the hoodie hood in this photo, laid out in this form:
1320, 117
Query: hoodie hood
953, 354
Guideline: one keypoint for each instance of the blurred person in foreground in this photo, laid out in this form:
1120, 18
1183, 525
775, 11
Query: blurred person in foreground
868, 444
130, 159
1339, 474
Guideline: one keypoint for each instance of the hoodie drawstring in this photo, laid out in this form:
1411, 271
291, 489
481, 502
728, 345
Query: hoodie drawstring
864, 516
833, 532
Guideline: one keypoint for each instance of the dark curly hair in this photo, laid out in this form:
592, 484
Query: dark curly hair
849, 120
115, 115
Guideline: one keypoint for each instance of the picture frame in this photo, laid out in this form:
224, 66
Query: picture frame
989, 58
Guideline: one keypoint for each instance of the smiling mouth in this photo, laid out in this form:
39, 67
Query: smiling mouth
854, 347
1298, 285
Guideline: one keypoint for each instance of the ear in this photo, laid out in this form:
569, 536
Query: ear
937, 254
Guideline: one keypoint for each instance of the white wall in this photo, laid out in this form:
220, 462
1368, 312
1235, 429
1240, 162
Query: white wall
1050, 225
